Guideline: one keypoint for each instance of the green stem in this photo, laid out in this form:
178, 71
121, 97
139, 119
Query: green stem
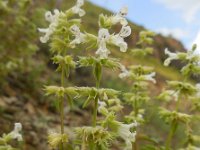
83, 145
95, 106
134, 144
92, 146
177, 104
95, 111
97, 73
174, 126
62, 107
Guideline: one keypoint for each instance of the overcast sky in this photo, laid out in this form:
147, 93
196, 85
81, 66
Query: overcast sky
180, 18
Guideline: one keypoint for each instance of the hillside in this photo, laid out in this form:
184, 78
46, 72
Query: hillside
22, 97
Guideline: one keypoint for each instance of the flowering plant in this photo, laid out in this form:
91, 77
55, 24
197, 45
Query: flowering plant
65, 34
13, 135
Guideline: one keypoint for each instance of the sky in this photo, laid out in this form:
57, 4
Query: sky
179, 18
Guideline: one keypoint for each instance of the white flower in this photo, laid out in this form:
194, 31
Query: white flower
102, 107
120, 17
118, 39
77, 8
79, 37
125, 31
150, 77
172, 56
125, 73
50, 17
15, 133
53, 19
128, 136
103, 37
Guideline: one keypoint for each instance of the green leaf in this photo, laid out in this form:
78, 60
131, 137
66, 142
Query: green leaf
70, 100
86, 61
87, 102
110, 63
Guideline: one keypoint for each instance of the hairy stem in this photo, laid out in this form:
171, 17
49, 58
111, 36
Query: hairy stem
95, 112
173, 128
134, 144
62, 106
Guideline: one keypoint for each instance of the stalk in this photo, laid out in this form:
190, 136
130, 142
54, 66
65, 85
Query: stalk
62, 107
95, 111
97, 73
134, 144
96, 106
174, 126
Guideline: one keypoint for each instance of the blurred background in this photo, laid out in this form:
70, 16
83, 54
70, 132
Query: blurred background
25, 64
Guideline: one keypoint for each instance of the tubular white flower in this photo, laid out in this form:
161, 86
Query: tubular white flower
103, 37
79, 37
15, 133
102, 107
77, 8
103, 34
124, 11
150, 77
125, 73
53, 19
120, 17
125, 133
118, 39
172, 56
50, 17
125, 31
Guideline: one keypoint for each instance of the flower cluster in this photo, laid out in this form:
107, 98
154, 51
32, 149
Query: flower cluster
13, 135
104, 37
191, 57
180, 91
109, 21
128, 136
53, 19
139, 77
138, 95
143, 46
77, 8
